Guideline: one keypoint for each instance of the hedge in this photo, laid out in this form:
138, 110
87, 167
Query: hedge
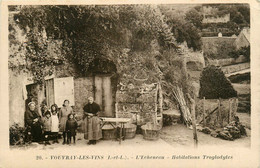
214, 84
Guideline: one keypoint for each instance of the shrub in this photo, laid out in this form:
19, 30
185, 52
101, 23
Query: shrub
19, 135
245, 51
214, 84
239, 78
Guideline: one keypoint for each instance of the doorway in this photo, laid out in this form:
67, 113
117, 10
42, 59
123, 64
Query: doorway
103, 94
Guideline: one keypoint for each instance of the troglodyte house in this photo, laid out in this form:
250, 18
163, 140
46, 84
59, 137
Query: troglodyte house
116, 100
125, 82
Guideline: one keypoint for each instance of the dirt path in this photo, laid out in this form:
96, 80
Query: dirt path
171, 136
81, 144
181, 136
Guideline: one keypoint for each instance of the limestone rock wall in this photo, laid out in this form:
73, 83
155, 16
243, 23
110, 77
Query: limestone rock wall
137, 102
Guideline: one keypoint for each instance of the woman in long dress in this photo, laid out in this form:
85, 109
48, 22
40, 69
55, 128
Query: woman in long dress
63, 116
34, 122
91, 124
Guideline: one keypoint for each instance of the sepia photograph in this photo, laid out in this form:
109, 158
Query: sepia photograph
114, 77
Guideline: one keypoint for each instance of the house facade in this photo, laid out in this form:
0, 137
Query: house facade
210, 17
243, 39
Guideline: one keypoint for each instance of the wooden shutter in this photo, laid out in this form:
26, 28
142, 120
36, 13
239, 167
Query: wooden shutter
64, 90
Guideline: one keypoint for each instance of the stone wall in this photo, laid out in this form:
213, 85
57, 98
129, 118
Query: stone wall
18, 80
235, 68
16, 99
195, 61
221, 62
227, 61
138, 103
214, 19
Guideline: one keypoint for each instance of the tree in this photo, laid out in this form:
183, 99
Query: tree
214, 84
194, 17
186, 32
245, 12
133, 37
89, 32
245, 51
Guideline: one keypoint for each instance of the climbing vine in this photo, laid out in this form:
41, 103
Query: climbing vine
89, 32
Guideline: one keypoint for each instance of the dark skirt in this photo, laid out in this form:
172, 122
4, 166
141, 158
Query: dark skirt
92, 129
63, 121
72, 132
36, 131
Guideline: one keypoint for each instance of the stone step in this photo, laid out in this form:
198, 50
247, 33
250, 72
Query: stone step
173, 113
171, 116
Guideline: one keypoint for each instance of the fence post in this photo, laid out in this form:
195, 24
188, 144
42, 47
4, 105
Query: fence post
204, 115
219, 113
193, 119
156, 104
193, 115
230, 110
236, 106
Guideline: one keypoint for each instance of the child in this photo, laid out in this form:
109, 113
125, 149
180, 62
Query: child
71, 126
47, 127
63, 117
44, 109
54, 122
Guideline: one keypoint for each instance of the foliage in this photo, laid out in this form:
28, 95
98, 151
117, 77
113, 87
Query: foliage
136, 38
41, 63
17, 58
239, 17
19, 135
185, 31
218, 48
194, 17
214, 84
227, 29
240, 14
184, 26
32, 49
88, 32
240, 78
245, 51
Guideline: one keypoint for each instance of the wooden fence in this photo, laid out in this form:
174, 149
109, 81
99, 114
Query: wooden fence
216, 113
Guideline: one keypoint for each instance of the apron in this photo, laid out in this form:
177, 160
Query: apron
91, 128
54, 123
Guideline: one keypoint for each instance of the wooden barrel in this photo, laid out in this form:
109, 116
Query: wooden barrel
130, 131
108, 132
151, 133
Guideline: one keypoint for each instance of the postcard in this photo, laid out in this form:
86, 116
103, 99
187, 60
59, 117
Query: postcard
130, 84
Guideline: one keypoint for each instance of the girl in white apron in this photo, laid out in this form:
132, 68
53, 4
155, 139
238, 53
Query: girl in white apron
54, 122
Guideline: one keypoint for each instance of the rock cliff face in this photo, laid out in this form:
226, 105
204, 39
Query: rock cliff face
195, 61
138, 70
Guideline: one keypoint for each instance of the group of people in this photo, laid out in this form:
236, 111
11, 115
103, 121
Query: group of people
56, 120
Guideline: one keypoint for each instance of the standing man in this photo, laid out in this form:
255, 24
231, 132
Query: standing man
92, 129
